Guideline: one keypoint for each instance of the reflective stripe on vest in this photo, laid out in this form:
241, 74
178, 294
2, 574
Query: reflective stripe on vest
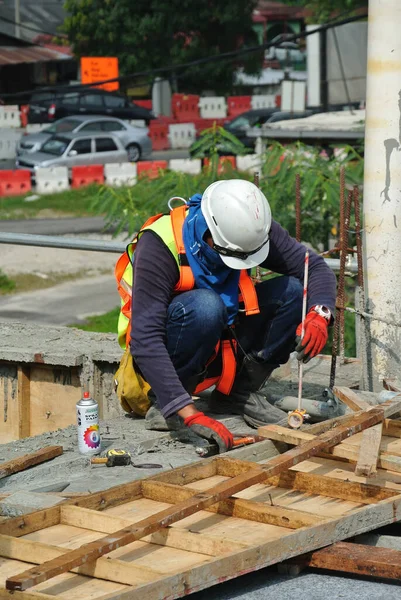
169, 229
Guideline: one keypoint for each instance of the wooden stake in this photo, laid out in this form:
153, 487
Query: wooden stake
29, 460
369, 451
200, 501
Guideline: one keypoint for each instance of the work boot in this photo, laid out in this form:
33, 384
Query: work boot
247, 398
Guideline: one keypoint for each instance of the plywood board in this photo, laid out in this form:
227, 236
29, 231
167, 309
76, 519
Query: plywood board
314, 503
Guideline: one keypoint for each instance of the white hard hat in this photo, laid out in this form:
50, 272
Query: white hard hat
239, 218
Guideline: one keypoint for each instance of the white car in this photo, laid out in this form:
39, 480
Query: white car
72, 149
135, 139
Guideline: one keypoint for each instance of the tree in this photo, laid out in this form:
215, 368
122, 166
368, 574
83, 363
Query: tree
149, 34
321, 10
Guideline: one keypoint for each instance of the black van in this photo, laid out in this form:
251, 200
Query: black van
46, 107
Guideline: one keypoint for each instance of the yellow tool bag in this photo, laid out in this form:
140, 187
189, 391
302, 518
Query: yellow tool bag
131, 388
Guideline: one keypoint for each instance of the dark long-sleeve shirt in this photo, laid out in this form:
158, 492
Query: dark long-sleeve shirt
155, 276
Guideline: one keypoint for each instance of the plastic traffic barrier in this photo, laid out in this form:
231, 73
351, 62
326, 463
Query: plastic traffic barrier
249, 162
119, 174
51, 179
86, 175
150, 168
144, 103
181, 135
186, 165
213, 107
158, 133
202, 124
15, 183
10, 116
266, 101
185, 107
237, 105
225, 163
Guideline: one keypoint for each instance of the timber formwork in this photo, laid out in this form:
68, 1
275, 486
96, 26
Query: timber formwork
188, 529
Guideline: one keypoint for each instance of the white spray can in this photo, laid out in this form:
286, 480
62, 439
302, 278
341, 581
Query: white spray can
88, 425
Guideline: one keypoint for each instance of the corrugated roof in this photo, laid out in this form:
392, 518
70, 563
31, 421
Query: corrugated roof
13, 55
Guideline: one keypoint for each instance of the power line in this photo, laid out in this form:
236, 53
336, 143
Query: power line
231, 55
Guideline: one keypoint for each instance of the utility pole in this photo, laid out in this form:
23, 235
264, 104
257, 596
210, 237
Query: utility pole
382, 194
17, 18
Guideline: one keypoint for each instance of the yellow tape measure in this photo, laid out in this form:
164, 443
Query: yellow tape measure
296, 418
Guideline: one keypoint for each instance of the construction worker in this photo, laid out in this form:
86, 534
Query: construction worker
198, 319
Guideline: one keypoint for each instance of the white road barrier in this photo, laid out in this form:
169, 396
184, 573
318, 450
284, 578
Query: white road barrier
181, 135
10, 116
213, 107
52, 179
249, 162
186, 165
120, 174
267, 101
8, 142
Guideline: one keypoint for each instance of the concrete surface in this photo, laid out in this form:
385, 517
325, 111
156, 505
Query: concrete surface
58, 226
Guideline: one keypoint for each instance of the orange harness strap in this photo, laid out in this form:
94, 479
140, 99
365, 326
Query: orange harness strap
248, 293
187, 280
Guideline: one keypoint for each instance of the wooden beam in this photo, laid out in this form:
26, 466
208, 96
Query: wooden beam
6, 595
200, 501
31, 522
319, 428
24, 402
369, 450
310, 483
235, 507
172, 538
350, 398
109, 569
357, 558
346, 451
29, 460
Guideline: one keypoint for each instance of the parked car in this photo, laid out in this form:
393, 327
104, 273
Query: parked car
46, 107
240, 125
72, 149
135, 139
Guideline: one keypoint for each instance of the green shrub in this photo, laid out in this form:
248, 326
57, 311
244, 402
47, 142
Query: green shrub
7, 285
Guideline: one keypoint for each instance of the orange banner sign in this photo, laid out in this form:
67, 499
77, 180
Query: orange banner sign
100, 68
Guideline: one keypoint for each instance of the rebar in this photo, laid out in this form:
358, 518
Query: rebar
258, 276
340, 292
298, 207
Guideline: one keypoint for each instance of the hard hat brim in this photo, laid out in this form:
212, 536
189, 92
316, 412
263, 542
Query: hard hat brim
252, 261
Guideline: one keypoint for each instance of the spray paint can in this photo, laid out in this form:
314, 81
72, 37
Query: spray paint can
88, 425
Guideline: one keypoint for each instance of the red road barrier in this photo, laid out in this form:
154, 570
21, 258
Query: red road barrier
86, 175
144, 103
24, 110
150, 168
185, 107
15, 183
158, 133
237, 105
202, 124
224, 162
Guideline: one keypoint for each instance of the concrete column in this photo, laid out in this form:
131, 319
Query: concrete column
382, 192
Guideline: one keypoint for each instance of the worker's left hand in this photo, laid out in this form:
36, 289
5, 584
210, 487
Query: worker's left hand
315, 336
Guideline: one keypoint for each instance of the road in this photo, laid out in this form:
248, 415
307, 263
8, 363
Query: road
161, 155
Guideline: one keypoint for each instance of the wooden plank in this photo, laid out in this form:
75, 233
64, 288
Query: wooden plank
350, 398
357, 558
369, 451
31, 522
105, 568
235, 507
24, 402
29, 460
107, 498
181, 540
311, 483
282, 434
200, 501
296, 542
323, 426
7, 595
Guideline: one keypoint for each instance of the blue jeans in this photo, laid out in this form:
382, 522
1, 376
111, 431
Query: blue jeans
196, 321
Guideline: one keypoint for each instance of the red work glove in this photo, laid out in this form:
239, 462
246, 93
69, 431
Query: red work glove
211, 430
315, 336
